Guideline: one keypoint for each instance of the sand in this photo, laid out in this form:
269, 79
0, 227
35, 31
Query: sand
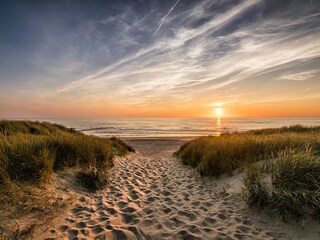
153, 196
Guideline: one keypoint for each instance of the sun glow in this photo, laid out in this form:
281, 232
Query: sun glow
218, 112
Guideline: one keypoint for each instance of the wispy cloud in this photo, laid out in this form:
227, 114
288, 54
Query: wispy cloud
301, 76
165, 16
173, 48
203, 49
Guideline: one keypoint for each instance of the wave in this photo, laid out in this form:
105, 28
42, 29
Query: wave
96, 128
149, 130
176, 127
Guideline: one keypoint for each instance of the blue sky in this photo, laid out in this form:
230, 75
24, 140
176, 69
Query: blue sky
159, 58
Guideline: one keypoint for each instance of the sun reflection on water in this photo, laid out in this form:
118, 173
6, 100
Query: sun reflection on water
218, 122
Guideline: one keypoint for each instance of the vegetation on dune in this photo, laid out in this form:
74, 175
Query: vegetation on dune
288, 186
31, 151
291, 189
214, 156
8, 127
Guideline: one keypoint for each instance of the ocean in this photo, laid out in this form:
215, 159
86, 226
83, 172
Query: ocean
175, 127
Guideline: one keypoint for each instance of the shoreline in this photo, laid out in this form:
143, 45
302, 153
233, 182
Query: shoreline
173, 138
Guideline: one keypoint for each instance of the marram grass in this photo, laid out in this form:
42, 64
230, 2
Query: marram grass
31, 151
214, 156
295, 186
291, 188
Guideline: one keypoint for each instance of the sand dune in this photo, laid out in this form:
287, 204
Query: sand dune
153, 196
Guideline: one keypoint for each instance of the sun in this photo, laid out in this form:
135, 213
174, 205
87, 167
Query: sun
218, 111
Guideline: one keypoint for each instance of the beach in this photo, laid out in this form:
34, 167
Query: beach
160, 120
152, 195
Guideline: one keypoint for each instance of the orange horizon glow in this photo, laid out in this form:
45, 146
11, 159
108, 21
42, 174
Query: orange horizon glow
185, 61
99, 110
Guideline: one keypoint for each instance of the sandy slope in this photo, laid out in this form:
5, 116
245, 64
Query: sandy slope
153, 196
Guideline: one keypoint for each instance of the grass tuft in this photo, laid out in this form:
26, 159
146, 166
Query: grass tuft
93, 178
32, 151
255, 191
299, 171
295, 190
214, 156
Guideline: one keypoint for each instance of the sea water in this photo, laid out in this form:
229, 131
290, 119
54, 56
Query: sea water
175, 127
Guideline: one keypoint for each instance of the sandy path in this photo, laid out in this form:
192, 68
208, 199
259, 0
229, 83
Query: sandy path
153, 196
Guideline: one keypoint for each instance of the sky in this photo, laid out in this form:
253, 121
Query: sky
159, 58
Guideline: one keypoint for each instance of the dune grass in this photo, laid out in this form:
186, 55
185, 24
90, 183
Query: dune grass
290, 184
291, 189
31, 151
9, 127
213, 156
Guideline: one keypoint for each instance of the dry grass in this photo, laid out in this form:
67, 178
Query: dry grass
295, 190
31, 207
32, 151
214, 156
29, 154
289, 187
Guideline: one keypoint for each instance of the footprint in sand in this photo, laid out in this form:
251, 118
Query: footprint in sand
153, 196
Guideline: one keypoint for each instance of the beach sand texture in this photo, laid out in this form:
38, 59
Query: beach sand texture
153, 196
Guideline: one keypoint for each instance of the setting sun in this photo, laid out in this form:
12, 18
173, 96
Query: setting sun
173, 94
218, 111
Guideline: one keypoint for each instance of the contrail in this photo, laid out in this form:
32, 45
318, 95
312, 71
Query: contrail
164, 18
